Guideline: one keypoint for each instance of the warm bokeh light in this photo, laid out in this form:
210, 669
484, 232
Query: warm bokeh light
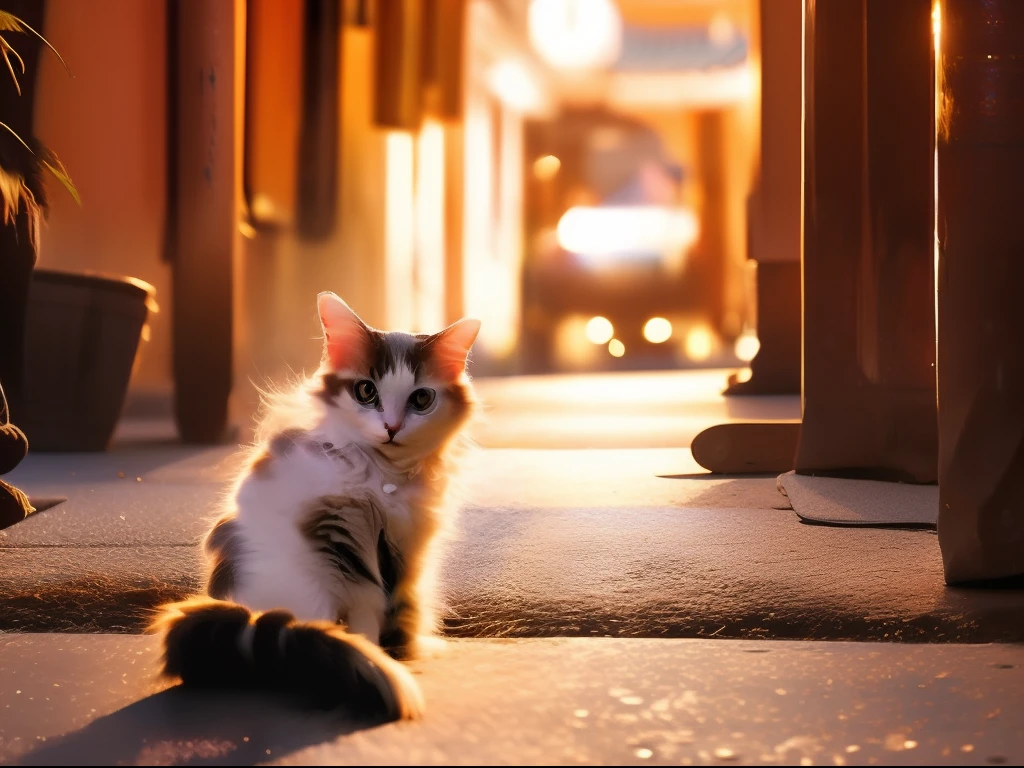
571, 346
546, 168
699, 344
399, 232
747, 346
721, 30
720, 87
429, 237
576, 34
657, 330
616, 348
627, 230
599, 330
515, 85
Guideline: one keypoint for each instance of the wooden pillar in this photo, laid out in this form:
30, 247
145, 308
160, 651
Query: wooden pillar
868, 249
981, 274
399, 58
708, 262
774, 205
444, 51
868, 328
204, 142
320, 128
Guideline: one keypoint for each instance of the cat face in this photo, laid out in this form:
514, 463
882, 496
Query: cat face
399, 394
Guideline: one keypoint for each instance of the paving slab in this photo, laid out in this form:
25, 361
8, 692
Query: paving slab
660, 409
617, 570
118, 514
559, 542
74, 699
171, 501
636, 409
169, 462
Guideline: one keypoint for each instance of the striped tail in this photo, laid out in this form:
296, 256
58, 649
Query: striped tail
215, 644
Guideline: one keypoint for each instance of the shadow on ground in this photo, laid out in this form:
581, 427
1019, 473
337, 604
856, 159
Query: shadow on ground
182, 727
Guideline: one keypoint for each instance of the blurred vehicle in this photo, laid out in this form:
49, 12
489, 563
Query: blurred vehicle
605, 283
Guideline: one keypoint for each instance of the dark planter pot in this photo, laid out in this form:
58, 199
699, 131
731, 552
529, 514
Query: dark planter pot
82, 335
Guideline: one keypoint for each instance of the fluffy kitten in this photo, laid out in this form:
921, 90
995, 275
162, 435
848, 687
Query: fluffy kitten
336, 518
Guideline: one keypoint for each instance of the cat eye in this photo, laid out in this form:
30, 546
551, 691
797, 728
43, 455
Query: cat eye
365, 392
421, 399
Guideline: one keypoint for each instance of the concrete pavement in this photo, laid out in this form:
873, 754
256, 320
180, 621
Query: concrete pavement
91, 699
585, 520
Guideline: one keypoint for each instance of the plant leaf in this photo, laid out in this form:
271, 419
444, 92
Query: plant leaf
14, 192
61, 173
4, 48
7, 47
15, 135
53, 164
11, 185
11, 23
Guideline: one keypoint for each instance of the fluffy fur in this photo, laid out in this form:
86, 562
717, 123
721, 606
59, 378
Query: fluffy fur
321, 570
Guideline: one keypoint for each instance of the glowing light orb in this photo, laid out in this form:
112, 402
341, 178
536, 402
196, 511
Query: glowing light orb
599, 330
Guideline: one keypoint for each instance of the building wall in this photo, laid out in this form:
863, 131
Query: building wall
107, 124
278, 331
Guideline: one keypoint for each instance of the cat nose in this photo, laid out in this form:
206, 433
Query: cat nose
392, 431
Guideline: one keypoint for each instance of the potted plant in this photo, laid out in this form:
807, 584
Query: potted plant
63, 320
22, 202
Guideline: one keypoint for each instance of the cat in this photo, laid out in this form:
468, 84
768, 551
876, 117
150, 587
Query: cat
321, 569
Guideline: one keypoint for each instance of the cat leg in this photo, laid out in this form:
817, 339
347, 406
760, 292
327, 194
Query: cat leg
410, 630
366, 609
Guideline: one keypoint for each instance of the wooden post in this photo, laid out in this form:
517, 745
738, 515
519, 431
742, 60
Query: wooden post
774, 206
868, 329
868, 249
399, 58
444, 51
320, 128
204, 139
981, 274
707, 263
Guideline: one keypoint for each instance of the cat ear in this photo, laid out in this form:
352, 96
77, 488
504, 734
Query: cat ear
345, 335
449, 349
